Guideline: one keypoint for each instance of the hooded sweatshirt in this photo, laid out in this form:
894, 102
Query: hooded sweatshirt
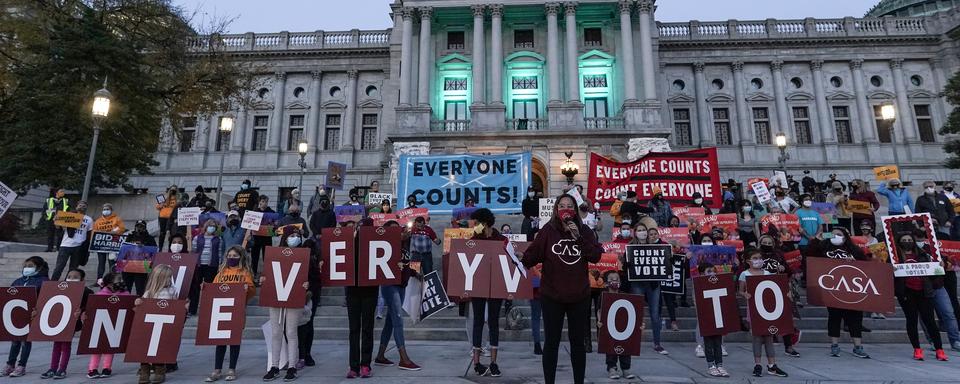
564, 260
108, 224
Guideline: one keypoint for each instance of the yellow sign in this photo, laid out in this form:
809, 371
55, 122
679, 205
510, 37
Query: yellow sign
455, 233
879, 252
861, 207
887, 172
68, 219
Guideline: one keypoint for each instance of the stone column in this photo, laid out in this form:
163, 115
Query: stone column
238, 136
780, 100
703, 112
406, 56
827, 132
743, 113
904, 112
939, 83
313, 134
553, 54
426, 46
573, 66
864, 113
645, 8
496, 54
478, 58
347, 132
625, 50
276, 121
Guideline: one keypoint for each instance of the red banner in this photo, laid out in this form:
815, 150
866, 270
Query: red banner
379, 256
379, 219
470, 267
950, 250
16, 303
338, 256
285, 270
184, 266
736, 244
223, 312
788, 226
849, 284
620, 318
58, 308
158, 323
725, 221
676, 236
611, 247
678, 175
107, 324
715, 297
406, 216
771, 311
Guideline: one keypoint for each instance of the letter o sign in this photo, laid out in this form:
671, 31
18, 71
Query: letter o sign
64, 320
615, 308
777, 311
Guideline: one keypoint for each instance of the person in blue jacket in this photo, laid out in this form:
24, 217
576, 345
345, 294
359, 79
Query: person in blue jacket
897, 196
35, 272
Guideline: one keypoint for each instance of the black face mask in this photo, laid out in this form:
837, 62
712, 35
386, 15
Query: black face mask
907, 245
295, 214
948, 189
234, 222
766, 248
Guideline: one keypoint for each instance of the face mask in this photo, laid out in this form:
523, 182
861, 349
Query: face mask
211, 229
176, 248
244, 187
929, 190
711, 272
747, 208
233, 261
766, 248
907, 244
807, 203
117, 287
836, 240
698, 201
613, 285
234, 222
837, 189
107, 212
756, 263
29, 271
641, 235
293, 241
478, 229
706, 243
948, 189
531, 194
625, 233
324, 203
864, 230
566, 214
895, 186
72, 280
295, 214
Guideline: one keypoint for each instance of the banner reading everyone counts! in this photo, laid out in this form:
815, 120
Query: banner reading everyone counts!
677, 174
445, 182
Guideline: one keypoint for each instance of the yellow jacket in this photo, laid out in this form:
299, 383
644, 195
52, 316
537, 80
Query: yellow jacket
236, 275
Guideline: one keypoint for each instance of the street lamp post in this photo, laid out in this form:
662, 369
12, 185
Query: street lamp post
781, 141
99, 112
226, 126
889, 114
569, 168
302, 150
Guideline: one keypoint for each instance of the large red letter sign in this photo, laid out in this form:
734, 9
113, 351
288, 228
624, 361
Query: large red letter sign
506, 281
337, 253
15, 306
620, 318
223, 310
107, 328
285, 270
716, 300
470, 267
771, 311
56, 320
158, 322
857, 285
379, 256
184, 265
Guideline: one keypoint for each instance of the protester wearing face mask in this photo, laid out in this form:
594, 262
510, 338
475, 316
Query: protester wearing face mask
811, 224
411, 202
860, 192
284, 323
132, 266
916, 296
246, 198
234, 269
72, 248
60, 356
57, 202
109, 222
200, 198
324, 217
949, 192
650, 290
938, 206
361, 305
283, 207
293, 217
786, 203
485, 230
165, 211
111, 284
898, 198
755, 261
837, 245
232, 234
839, 200
774, 262
33, 274
259, 243
699, 202
209, 245
612, 280
661, 210
530, 207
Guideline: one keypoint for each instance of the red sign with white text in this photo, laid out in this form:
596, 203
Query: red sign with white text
223, 312
620, 318
770, 307
184, 266
678, 175
506, 280
849, 284
715, 297
337, 250
106, 326
285, 270
725, 221
379, 256
470, 267
16, 303
158, 323
58, 308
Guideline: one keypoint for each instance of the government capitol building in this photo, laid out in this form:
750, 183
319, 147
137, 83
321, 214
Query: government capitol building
556, 77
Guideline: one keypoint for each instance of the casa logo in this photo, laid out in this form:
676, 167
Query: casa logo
713, 279
12, 291
224, 288
113, 299
773, 329
566, 247
337, 232
848, 284
287, 252
63, 286
175, 257
163, 304
618, 350
381, 231
471, 244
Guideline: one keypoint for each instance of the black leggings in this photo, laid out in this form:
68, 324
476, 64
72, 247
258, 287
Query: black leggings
257, 248
492, 308
360, 308
135, 280
950, 284
221, 351
915, 305
577, 314
713, 349
854, 320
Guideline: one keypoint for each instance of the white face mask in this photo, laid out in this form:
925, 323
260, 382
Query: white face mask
176, 248
747, 208
531, 194
625, 233
698, 201
706, 243
293, 241
930, 190
71, 280
836, 240
29, 271
807, 203
107, 212
756, 263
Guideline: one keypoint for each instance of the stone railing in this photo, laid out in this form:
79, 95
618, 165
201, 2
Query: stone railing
802, 28
294, 40
449, 125
526, 124
603, 122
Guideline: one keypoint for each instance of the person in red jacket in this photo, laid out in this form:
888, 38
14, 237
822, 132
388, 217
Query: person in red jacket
564, 246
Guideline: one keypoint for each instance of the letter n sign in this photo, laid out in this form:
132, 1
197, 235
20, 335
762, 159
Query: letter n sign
620, 318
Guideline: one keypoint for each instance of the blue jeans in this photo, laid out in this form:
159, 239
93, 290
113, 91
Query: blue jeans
393, 300
948, 319
651, 291
535, 312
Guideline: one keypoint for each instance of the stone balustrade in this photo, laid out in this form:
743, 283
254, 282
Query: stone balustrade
800, 28
294, 40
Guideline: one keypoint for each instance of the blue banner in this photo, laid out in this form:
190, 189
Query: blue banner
445, 182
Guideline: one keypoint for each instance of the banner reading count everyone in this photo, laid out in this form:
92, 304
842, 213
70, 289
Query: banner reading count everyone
445, 182
677, 174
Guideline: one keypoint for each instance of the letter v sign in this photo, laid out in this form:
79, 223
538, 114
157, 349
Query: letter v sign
285, 272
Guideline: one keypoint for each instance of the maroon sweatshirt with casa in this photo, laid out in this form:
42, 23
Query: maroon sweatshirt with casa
564, 261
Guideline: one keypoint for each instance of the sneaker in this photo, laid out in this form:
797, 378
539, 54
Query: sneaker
723, 351
941, 355
60, 375
834, 350
351, 374
537, 349
309, 361
365, 371
659, 349
48, 374
383, 362
613, 373
757, 370
674, 326
18, 371
776, 371
408, 366
481, 369
495, 370
791, 352
877, 316
272, 374
699, 351
713, 371
626, 374
106, 372
918, 354
858, 352
93, 374
723, 372
7, 370
301, 364
485, 351
291, 374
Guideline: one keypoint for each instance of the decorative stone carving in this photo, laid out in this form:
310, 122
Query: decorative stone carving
644, 6
641, 146
698, 66
816, 65
570, 7
426, 13
352, 74
856, 64
316, 74
896, 63
737, 66
552, 8
496, 10
776, 65
478, 10
405, 148
624, 6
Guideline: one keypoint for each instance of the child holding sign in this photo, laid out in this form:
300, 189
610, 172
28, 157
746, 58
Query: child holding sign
713, 349
612, 279
60, 356
755, 258
111, 284
35, 272
159, 286
234, 269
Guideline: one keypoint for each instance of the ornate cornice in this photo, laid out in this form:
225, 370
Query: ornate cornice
856, 64
552, 8
896, 63
478, 10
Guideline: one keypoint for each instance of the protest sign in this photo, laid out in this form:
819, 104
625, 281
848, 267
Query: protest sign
159, 323
153, 227
16, 303
879, 252
454, 233
886, 172
434, 297
7, 196
771, 310
379, 219
649, 262
106, 242
793, 259
292, 228
753, 180
57, 311
508, 278
68, 219
184, 267
787, 225
219, 217
336, 175
736, 244
956, 204
251, 220
444, 182
722, 257
347, 213
676, 285
188, 216
676, 236
827, 211
515, 237
285, 270
609, 261
107, 328
686, 215
715, 297
678, 175
920, 226
849, 284
760, 189
379, 256
860, 207
161, 198
223, 312
406, 216
376, 198
726, 221
612, 247
267, 224
779, 179
337, 254
620, 318
950, 250
469, 270
133, 258
546, 210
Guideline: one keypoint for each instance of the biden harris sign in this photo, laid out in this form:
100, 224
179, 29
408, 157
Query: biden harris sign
445, 182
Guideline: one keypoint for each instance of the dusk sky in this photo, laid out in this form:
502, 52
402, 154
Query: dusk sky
338, 15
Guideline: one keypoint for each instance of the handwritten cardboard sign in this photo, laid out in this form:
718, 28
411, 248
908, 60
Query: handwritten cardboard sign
886, 172
188, 216
68, 219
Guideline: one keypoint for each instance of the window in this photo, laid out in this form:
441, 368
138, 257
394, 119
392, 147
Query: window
523, 38
331, 138
260, 133
595, 112
594, 81
186, 136
524, 82
223, 138
679, 85
525, 112
681, 126
836, 81
756, 83
841, 121
455, 40
717, 84
916, 80
455, 115
883, 126
761, 125
296, 132
801, 125
455, 84
368, 134
592, 37
876, 81
721, 126
797, 83
924, 122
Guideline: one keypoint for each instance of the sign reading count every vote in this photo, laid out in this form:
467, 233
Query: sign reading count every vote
445, 182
